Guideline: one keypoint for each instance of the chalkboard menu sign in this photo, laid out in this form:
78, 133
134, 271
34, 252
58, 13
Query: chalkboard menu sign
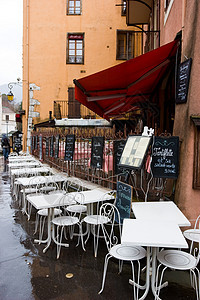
40, 147
123, 200
33, 143
118, 149
183, 78
97, 152
57, 146
52, 146
69, 147
17, 143
36, 142
47, 146
165, 157
134, 152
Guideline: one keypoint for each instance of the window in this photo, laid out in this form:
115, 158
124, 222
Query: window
75, 44
123, 7
129, 44
167, 2
74, 7
167, 7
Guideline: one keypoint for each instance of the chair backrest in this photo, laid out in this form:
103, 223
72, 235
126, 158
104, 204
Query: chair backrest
108, 197
111, 229
195, 246
73, 185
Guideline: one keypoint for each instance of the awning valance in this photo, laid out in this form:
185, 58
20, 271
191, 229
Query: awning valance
117, 90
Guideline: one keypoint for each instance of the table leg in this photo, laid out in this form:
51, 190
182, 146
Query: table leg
147, 284
48, 240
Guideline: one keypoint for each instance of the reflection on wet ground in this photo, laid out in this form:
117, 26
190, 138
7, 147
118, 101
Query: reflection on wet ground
27, 273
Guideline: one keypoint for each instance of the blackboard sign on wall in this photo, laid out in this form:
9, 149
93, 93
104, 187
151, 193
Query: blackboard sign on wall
123, 200
183, 78
57, 146
97, 152
47, 146
69, 147
40, 147
165, 157
118, 149
52, 146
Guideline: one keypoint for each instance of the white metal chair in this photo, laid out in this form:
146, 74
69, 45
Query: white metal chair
121, 252
94, 221
42, 214
63, 222
76, 185
182, 260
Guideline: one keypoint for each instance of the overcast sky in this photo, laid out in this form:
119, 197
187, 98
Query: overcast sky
11, 26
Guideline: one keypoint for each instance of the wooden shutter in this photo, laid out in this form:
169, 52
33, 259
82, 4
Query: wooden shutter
73, 105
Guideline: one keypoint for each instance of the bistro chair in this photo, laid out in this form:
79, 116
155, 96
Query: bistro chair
42, 214
94, 221
181, 260
61, 223
121, 252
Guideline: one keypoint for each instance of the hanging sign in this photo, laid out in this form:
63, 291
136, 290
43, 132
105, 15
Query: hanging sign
183, 78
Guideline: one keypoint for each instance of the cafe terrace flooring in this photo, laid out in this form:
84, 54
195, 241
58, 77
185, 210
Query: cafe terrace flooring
26, 273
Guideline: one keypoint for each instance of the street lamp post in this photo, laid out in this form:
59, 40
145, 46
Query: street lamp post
31, 113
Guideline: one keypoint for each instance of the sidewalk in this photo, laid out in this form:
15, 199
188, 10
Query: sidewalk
26, 273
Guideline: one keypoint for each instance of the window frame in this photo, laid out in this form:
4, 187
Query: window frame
74, 13
75, 34
127, 33
167, 8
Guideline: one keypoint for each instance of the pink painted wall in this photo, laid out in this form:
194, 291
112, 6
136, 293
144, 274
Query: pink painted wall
185, 15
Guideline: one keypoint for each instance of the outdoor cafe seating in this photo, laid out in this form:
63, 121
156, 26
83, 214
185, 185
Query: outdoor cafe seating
64, 203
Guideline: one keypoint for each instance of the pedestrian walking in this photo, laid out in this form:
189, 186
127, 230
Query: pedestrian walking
5, 146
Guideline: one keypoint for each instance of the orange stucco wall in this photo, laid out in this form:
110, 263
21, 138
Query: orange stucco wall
44, 46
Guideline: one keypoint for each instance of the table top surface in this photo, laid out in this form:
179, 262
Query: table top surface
24, 164
152, 234
28, 171
56, 199
21, 158
159, 211
27, 181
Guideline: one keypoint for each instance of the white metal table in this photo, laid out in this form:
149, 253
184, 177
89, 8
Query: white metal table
152, 234
24, 164
26, 172
159, 211
51, 201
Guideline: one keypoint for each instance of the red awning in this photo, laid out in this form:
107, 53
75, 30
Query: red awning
117, 90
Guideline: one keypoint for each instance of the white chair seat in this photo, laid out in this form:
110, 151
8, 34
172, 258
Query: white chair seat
29, 190
47, 189
44, 212
65, 221
127, 253
177, 259
96, 219
76, 208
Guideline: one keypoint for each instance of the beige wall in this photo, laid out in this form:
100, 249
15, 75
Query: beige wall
44, 47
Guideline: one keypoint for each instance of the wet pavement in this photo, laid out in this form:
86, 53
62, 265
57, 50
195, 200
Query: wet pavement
26, 273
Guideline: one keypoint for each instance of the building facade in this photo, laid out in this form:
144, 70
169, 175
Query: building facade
69, 40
